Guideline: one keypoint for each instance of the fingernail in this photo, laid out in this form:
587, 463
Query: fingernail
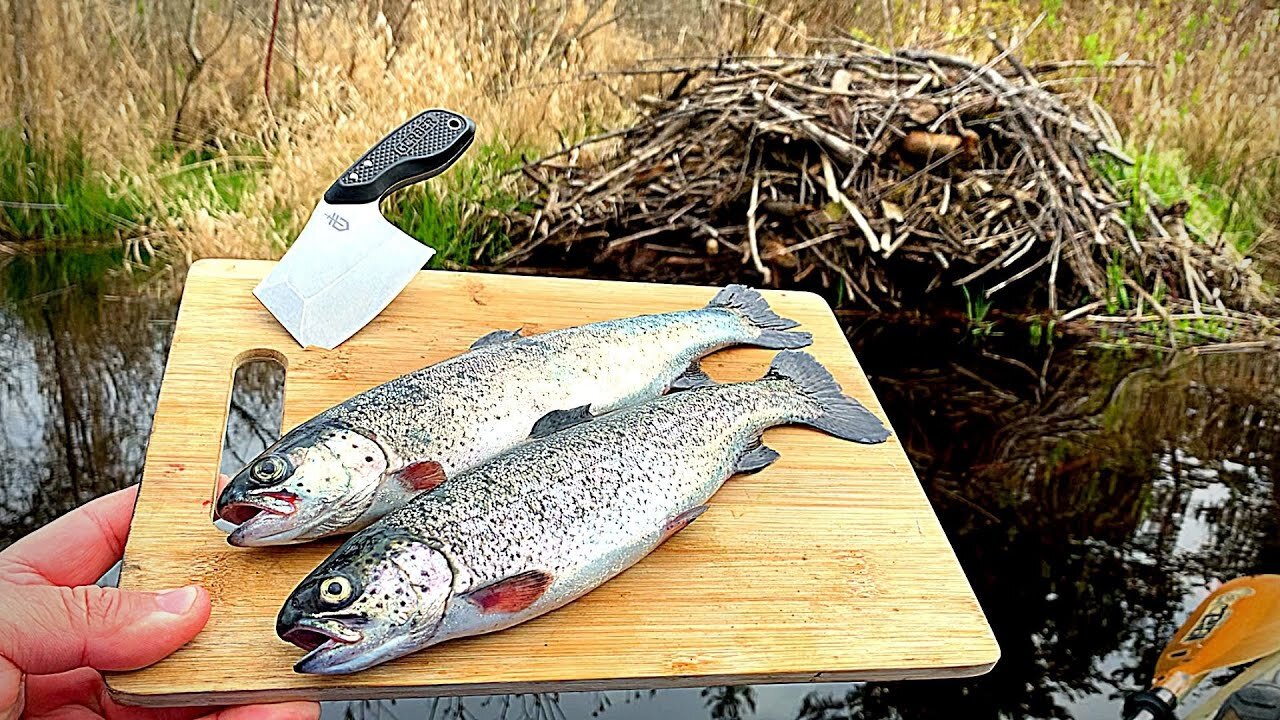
177, 602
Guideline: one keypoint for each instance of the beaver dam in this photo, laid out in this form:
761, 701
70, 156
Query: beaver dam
890, 180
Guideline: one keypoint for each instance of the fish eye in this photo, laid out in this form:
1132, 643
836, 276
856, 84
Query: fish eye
269, 469
335, 589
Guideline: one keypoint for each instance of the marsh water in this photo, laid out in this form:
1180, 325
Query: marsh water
1093, 495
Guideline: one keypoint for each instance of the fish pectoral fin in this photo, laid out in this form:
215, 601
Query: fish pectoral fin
558, 420
681, 521
512, 594
497, 337
757, 457
692, 377
424, 475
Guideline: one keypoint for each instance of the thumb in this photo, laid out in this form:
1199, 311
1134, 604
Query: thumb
46, 630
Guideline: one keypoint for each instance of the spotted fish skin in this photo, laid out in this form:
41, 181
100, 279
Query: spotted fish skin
496, 393
351, 464
579, 507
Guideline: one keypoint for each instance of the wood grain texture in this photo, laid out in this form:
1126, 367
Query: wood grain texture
828, 565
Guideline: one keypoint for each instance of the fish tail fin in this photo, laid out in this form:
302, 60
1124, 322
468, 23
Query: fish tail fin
838, 414
755, 310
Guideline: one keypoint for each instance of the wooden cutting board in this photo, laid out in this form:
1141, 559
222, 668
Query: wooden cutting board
828, 565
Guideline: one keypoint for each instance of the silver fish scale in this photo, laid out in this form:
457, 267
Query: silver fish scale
592, 500
498, 392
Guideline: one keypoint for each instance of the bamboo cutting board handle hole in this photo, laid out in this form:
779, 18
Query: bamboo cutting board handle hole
255, 409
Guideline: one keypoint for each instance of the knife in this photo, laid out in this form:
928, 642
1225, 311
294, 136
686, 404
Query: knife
349, 262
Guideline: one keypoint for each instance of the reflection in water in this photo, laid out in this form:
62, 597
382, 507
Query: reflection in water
730, 702
80, 374
1090, 495
257, 408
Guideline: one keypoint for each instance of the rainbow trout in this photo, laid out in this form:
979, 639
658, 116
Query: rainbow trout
551, 519
351, 464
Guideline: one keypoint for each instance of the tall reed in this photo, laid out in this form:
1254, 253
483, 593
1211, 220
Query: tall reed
134, 94
133, 88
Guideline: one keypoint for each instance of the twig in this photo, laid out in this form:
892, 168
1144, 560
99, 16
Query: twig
271, 47
751, 232
829, 182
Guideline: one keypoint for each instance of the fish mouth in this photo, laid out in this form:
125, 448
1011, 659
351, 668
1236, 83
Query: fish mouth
241, 511
328, 644
312, 635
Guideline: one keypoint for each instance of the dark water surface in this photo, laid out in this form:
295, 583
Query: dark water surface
1091, 495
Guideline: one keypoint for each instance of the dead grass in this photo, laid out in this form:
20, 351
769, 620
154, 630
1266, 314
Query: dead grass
140, 89
123, 80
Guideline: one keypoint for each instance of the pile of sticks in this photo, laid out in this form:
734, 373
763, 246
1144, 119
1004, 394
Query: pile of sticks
882, 176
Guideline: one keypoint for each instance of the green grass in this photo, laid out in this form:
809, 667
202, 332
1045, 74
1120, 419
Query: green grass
977, 307
47, 194
55, 195
58, 197
1041, 331
457, 213
1117, 290
214, 181
1220, 208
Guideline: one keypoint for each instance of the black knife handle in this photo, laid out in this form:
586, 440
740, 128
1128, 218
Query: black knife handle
419, 149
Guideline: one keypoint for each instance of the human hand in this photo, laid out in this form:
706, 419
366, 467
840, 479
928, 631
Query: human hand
58, 630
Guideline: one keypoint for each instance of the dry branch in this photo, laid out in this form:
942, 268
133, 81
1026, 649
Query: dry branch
890, 175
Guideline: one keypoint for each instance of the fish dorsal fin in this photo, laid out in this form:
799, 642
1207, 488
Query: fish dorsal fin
497, 337
558, 420
511, 595
424, 475
757, 457
681, 521
692, 377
